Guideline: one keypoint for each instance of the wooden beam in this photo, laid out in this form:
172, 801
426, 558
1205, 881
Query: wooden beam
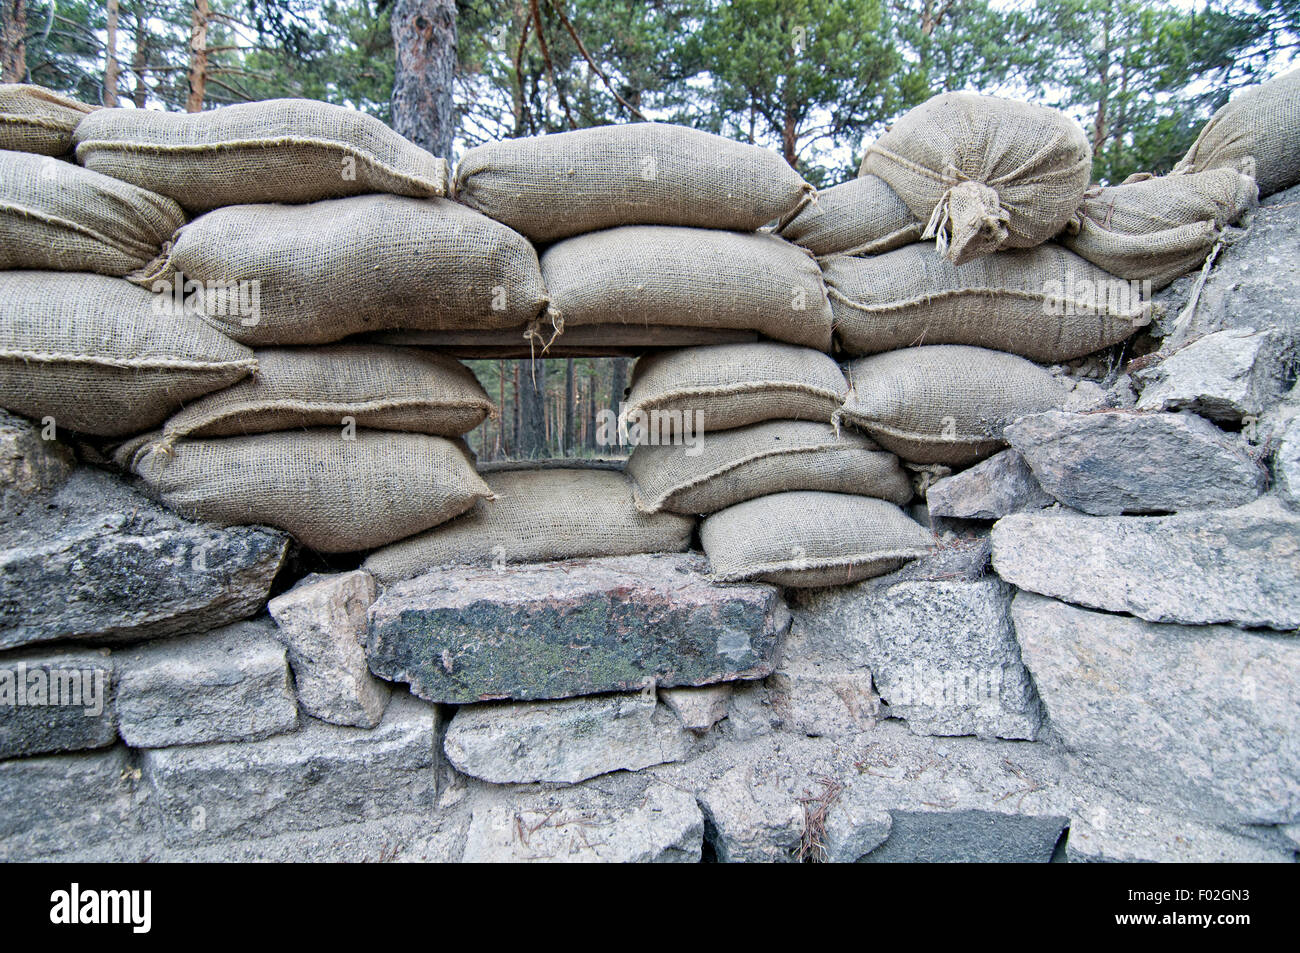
596, 340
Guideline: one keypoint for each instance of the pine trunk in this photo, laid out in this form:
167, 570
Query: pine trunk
13, 40
198, 56
424, 33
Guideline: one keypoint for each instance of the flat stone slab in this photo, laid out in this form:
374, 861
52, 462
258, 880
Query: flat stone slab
317, 777
231, 684
1227, 375
1205, 718
97, 562
56, 701
989, 490
580, 627
1119, 462
1240, 566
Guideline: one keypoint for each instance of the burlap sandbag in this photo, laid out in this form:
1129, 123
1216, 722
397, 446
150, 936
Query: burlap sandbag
984, 173
57, 215
861, 217
805, 538
277, 150
563, 184
36, 119
945, 404
691, 277
740, 464
100, 357
732, 385
369, 263
1257, 132
333, 494
376, 387
1044, 303
539, 515
1158, 228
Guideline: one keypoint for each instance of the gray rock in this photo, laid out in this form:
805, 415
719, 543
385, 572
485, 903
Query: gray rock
1204, 718
319, 777
753, 813
1240, 566
989, 490
323, 621
565, 741
582, 627
699, 709
645, 823
227, 685
29, 464
56, 701
96, 561
819, 696
1123, 462
1224, 376
1286, 463
54, 804
942, 651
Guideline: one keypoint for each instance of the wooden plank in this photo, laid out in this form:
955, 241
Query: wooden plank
596, 340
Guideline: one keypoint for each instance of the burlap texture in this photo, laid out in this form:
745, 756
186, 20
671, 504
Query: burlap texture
36, 119
861, 217
332, 494
277, 150
57, 215
554, 186
733, 385
1257, 132
1159, 228
1044, 303
805, 538
380, 388
947, 403
369, 263
984, 173
94, 353
689, 277
539, 515
761, 459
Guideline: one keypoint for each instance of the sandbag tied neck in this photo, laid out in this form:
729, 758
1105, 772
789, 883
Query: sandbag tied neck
969, 220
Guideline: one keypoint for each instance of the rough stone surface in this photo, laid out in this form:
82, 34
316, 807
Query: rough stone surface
1240, 566
1226, 376
581, 627
29, 464
943, 652
1207, 718
753, 814
56, 701
318, 777
636, 822
1286, 463
1254, 282
698, 709
96, 561
50, 805
323, 621
228, 685
989, 490
1121, 462
565, 741
817, 695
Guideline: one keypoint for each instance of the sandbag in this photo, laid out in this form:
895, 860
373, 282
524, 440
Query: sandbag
277, 150
1044, 303
984, 173
1257, 132
861, 217
376, 387
36, 119
101, 357
535, 516
691, 277
328, 269
1158, 228
739, 464
57, 215
332, 493
730, 385
563, 184
807, 539
947, 403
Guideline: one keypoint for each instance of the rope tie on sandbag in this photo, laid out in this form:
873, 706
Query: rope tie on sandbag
533, 334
